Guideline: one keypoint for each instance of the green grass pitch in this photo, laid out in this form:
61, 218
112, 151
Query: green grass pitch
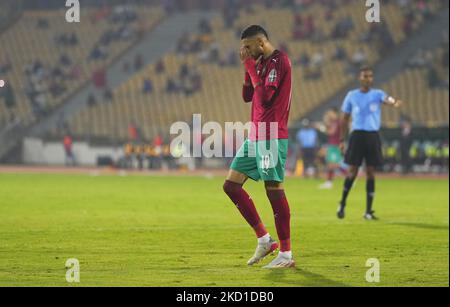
183, 231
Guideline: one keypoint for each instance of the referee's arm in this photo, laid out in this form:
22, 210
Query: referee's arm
393, 102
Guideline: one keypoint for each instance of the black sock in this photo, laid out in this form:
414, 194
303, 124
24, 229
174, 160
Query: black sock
370, 188
348, 184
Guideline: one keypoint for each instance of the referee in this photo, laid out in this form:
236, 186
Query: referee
363, 107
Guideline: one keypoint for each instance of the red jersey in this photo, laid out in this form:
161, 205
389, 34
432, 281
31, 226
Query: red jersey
275, 72
335, 138
67, 141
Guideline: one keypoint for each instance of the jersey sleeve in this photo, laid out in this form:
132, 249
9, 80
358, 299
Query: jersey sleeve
347, 105
276, 73
383, 96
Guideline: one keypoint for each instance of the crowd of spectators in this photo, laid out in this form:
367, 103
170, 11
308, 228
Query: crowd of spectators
122, 20
47, 82
378, 36
435, 62
187, 81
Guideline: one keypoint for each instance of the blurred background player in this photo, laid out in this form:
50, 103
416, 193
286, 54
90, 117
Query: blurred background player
263, 156
308, 139
333, 157
363, 107
68, 150
406, 142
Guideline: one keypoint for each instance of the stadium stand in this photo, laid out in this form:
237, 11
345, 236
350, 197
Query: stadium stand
424, 86
9, 11
64, 56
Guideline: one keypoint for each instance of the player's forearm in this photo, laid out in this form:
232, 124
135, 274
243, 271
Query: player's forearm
250, 67
247, 93
261, 95
247, 80
247, 89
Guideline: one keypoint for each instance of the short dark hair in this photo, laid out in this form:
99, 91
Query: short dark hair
365, 68
334, 109
252, 31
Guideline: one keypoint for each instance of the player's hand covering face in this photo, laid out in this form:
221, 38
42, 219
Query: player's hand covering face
244, 54
251, 48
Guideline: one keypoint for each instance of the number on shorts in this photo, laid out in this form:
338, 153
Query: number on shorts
265, 162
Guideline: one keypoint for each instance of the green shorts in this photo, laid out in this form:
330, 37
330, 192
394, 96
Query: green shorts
334, 155
262, 160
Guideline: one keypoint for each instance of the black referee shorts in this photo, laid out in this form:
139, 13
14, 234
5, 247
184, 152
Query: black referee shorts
309, 157
364, 146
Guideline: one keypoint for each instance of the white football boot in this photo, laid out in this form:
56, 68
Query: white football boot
262, 250
282, 261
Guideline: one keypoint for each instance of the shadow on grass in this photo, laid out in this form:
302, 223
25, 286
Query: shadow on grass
305, 278
422, 226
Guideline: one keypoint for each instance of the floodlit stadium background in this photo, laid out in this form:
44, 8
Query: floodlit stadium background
112, 84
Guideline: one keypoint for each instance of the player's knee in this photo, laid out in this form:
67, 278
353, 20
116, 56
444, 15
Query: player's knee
273, 185
275, 194
279, 203
230, 188
226, 188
